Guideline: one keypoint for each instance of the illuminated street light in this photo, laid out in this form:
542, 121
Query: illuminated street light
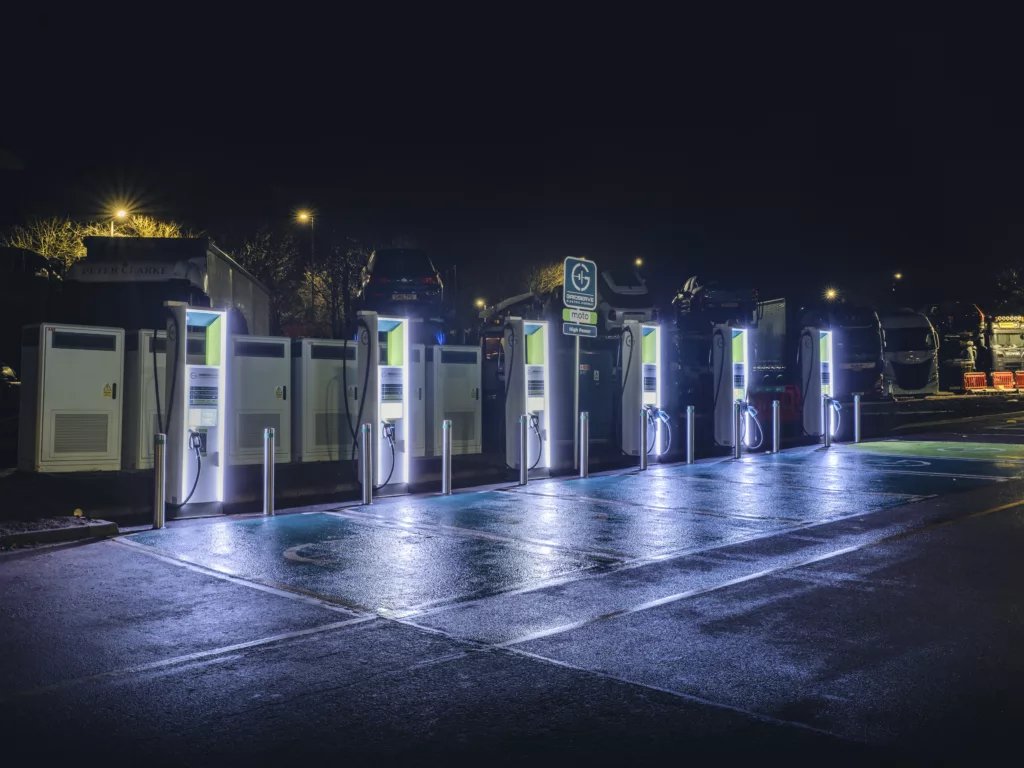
480, 303
831, 294
119, 213
638, 261
304, 216
896, 276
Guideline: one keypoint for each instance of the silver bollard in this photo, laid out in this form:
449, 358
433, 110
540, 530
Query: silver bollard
367, 463
826, 421
691, 432
737, 429
776, 427
584, 444
856, 418
159, 482
524, 449
268, 471
446, 457
643, 439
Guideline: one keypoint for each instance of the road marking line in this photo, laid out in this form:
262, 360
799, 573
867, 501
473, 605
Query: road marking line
749, 577
247, 581
189, 657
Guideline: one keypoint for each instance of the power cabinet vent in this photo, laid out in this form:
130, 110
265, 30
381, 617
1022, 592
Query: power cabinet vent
80, 432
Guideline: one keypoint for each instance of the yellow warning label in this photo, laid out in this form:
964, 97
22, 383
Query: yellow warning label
107, 391
279, 393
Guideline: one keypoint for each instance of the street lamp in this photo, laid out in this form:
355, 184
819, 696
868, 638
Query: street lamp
480, 303
831, 294
120, 213
638, 261
303, 217
896, 276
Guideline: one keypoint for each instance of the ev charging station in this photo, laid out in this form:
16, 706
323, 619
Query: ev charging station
194, 416
527, 390
145, 365
641, 389
730, 367
816, 371
384, 391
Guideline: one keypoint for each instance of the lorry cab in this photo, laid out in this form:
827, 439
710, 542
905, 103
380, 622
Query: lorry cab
1006, 342
911, 354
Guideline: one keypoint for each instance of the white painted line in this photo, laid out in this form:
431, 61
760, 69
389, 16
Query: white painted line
147, 550
749, 577
189, 657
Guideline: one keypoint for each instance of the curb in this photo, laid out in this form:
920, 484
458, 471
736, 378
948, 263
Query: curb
99, 529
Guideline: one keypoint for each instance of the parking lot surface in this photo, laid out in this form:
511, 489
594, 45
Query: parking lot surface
837, 603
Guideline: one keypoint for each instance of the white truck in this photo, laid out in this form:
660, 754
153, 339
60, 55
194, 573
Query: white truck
911, 354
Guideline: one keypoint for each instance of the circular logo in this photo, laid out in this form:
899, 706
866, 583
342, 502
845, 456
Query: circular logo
364, 337
580, 277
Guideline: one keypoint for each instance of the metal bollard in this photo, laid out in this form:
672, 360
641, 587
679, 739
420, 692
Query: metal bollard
737, 429
446, 457
826, 421
367, 463
268, 471
856, 418
643, 439
584, 444
691, 431
524, 449
159, 482
776, 426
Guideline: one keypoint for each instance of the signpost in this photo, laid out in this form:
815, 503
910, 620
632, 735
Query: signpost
579, 295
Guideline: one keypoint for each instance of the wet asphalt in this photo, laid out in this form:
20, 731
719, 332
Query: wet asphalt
844, 605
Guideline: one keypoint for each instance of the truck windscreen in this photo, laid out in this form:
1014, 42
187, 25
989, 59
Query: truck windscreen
860, 342
1008, 339
908, 340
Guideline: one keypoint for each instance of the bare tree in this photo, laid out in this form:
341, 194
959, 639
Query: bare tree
273, 258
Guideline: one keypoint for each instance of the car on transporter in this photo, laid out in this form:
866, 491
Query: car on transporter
402, 282
622, 295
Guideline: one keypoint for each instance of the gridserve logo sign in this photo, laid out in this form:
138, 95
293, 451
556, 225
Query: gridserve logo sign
579, 287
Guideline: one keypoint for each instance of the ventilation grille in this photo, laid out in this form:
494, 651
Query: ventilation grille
462, 425
80, 432
328, 427
251, 427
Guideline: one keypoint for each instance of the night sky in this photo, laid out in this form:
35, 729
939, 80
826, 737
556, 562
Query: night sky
835, 162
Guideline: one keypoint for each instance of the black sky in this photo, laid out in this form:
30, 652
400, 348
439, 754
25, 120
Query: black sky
829, 158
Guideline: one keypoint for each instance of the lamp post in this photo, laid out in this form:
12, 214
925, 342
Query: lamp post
119, 214
304, 216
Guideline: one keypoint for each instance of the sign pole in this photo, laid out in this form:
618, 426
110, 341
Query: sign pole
576, 410
579, 299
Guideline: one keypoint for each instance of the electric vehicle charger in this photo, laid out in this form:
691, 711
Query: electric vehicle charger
534, 420
652, 412
717, 338
195, 442
388, 431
